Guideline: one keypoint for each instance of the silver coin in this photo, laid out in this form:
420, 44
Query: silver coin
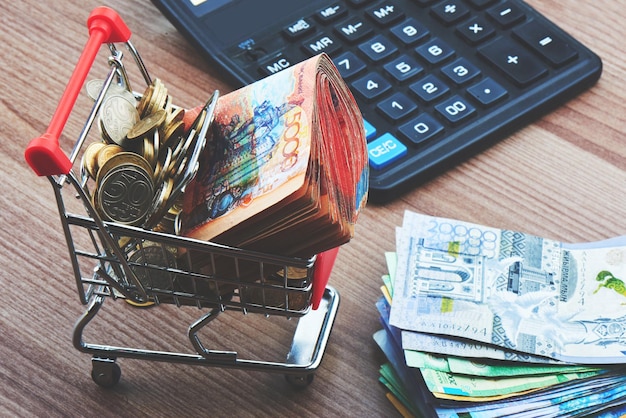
94, 87
124, 194
117, 116
148, 264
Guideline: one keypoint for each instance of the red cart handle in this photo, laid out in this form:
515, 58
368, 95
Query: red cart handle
43, 154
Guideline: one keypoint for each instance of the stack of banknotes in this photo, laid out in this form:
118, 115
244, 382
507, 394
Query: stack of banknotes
285, 170
485, 322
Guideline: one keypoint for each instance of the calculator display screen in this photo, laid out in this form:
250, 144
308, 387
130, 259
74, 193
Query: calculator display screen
202, 7
231, 21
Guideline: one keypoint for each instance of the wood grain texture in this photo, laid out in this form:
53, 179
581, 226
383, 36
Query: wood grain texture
563, 177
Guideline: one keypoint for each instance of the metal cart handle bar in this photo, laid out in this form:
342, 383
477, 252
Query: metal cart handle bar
44, 154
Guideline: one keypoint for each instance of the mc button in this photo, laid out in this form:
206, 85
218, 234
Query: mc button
275, 65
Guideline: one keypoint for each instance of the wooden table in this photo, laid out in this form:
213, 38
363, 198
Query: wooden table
561, 178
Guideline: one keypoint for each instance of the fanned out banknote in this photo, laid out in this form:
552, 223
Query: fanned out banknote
600, 394
456, 263
512, 290
286, 168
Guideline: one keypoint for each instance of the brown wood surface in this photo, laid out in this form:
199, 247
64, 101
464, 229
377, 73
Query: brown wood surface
563, 177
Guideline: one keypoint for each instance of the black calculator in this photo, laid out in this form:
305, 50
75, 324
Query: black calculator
436, 81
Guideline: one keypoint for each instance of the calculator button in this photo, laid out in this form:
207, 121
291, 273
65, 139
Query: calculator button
475, 31
370, 130
460, 71
385, 13
410, 31
371, 86
349, 64
421, 128
506, 14
481, 4
450, 12
385, 150
353, 29
514, 60
455, 109
378, 48
396, 107
331, 13
487, 92
429, 88
321, 43
359, 2
435, 51
403, 68
275, 65
298, 29
546, 42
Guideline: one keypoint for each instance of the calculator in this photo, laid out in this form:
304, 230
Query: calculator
436, 81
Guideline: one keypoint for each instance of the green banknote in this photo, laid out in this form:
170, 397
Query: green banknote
476, 387
480, 367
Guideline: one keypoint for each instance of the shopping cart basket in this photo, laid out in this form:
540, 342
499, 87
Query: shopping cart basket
144, 267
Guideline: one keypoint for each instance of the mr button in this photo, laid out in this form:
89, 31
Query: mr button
385, 150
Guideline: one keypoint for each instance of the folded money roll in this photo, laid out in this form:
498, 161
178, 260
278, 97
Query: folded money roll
285, 170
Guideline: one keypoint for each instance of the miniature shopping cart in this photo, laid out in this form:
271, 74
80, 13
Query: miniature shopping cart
146, 268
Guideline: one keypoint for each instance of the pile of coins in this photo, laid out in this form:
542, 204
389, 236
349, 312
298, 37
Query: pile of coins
145, 158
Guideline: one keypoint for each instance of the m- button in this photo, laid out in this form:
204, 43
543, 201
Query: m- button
514, 60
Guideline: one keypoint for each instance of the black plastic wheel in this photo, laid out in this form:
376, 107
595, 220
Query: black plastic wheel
105, 372
300, 382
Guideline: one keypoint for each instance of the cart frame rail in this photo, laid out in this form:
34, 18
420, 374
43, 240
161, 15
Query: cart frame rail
147, 268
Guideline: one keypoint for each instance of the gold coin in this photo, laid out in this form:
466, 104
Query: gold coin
125, 158
172, 130
90, 158
123, 242
147, 124
175, 115
147, 151
158, 99
293, 273
147, 304
161, 171
150, 150
117, 116
105, 153
142, 106
161, 100
160, 204
103, 133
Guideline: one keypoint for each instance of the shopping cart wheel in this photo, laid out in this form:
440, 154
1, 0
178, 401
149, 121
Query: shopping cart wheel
105, 372
300, 382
